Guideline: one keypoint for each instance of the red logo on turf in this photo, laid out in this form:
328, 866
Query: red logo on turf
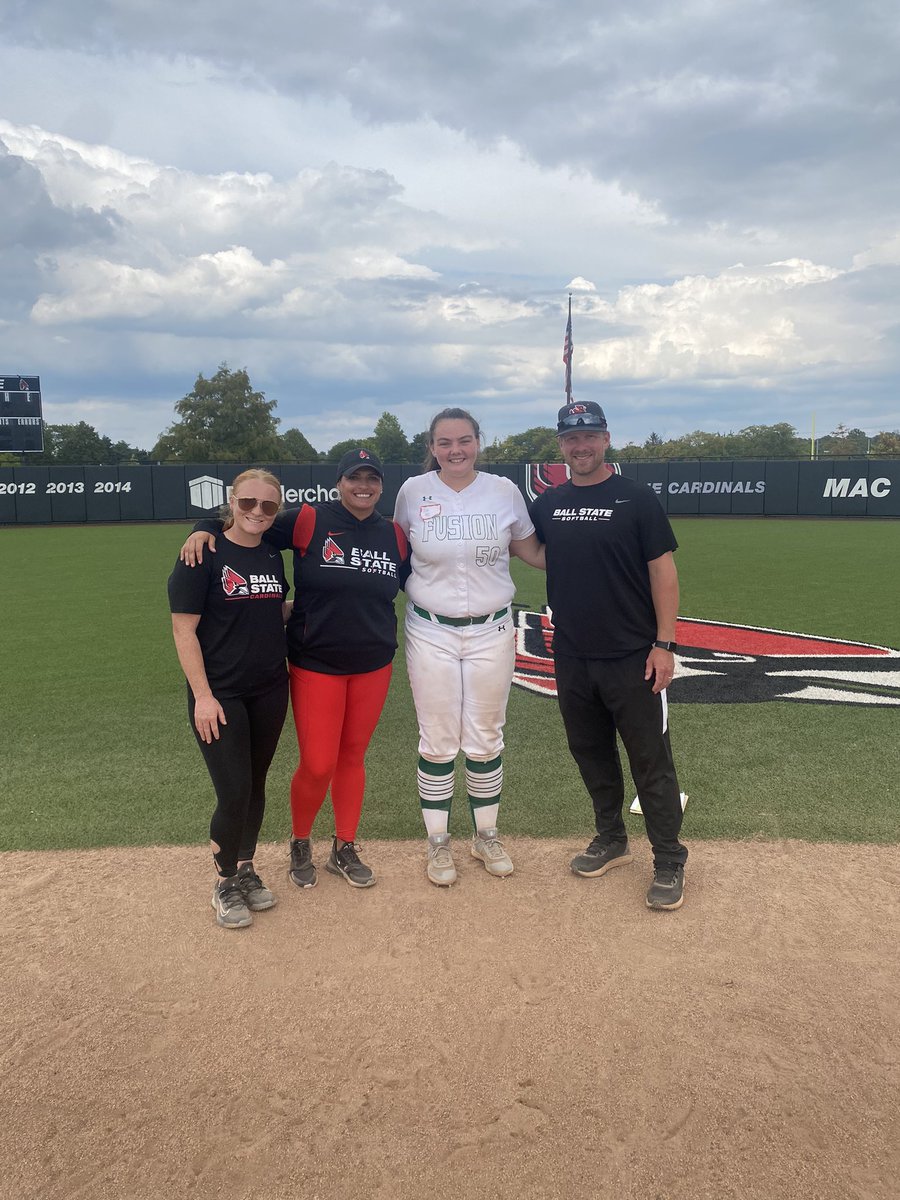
719, 663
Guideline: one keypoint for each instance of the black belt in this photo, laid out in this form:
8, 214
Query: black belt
458, 622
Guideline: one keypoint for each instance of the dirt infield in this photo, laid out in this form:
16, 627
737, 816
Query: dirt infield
540, 1036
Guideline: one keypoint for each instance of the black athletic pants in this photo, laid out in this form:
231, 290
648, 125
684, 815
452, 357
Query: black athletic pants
597, 698
238, 764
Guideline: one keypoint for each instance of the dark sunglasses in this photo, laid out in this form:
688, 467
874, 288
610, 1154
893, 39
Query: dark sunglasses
248, 503
582, 421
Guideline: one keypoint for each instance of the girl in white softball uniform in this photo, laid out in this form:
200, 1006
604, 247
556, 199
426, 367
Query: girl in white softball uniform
462, 526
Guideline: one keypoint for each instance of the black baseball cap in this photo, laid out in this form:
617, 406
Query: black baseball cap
580, 414
354, 459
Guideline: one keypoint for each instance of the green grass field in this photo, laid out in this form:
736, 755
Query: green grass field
96, 749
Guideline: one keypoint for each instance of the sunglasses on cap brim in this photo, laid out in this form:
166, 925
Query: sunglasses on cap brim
248, 503
582, 422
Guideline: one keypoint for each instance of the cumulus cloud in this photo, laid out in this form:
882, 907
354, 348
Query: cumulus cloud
33, 226
746, 325
718, 112
376, 206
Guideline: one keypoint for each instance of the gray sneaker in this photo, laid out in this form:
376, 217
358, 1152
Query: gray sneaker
256, 895
440, 867
302, 870
667, 889
601, 857
346, 862
228, 901
487, 846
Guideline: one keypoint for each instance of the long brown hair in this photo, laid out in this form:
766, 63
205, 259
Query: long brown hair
260, 476
447, 414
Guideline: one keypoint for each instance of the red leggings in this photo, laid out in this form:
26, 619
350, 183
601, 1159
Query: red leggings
335, 717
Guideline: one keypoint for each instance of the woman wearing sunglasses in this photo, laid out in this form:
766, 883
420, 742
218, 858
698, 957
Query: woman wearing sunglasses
349, 561
228, 622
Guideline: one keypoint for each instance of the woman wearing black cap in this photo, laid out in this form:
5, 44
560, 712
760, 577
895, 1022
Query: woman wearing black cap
341, 639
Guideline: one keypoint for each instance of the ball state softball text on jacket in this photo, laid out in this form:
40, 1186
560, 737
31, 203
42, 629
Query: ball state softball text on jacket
346, 576
238, 593
599, 540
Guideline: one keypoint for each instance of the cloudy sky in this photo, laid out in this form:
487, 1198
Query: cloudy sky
383, 206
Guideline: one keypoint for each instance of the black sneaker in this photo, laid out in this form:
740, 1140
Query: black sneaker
667, 889
302, 870
601, 857
256, 895
346, 862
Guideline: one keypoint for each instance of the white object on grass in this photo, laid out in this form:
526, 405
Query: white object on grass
636, 804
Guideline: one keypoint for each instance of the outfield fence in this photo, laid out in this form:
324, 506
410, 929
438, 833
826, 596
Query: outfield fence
802, 488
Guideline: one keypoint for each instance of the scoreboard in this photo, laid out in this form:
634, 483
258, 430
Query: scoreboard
21, 419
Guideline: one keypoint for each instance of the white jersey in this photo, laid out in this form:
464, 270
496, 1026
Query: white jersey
459, 542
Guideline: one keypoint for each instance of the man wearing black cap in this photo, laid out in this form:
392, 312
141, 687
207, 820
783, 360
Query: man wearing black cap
612, 589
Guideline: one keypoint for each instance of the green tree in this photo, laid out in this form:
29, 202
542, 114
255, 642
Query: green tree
391, 443
653, 448
844, 441
222, 420
123, 453
766, 441
72, 445
534, 445
886, 443
295, 448
417, 448
339, 449
697, 445
631, 453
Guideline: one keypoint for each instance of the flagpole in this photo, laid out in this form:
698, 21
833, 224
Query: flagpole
568, 346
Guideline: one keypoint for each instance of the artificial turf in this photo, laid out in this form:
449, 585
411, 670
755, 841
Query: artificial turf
96, 748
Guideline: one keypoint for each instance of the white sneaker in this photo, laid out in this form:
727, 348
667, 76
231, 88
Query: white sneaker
439, 868
487, 846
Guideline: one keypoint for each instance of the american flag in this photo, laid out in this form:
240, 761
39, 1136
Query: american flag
568, 347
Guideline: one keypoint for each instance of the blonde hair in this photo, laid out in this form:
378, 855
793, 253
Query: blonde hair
261, 476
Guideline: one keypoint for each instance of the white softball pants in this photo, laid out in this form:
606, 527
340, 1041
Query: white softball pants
460, 680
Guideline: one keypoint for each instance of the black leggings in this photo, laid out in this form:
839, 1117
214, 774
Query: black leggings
238, 763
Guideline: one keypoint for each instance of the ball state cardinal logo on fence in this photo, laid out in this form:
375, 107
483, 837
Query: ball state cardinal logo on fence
540, 477
719, 663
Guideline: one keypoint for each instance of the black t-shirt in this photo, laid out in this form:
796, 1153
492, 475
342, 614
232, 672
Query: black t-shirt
238, 592
599, 540
346, 576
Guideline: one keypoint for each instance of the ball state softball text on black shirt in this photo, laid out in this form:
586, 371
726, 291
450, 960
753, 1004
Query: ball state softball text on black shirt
346, 576
599, 540
238, 592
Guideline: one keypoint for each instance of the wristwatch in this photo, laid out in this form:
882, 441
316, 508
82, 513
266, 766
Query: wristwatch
671, 646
